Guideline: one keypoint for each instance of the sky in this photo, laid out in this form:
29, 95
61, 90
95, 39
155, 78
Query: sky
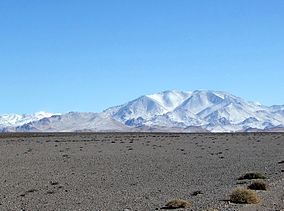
88, 55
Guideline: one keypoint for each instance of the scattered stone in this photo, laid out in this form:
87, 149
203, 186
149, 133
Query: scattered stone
50, 192
53, 183
195, 193
31, 191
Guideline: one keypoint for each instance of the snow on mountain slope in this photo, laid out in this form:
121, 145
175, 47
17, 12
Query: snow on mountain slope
170, 99
146, 107
73, 121
143, 107
200, 100
277, 109
8, 120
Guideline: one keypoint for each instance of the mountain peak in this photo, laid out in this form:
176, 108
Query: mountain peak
170, 99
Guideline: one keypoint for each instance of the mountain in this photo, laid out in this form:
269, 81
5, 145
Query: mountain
72, 121
211, 110
177, 111
13, 120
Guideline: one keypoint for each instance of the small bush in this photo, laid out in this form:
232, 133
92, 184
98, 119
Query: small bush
258, 185
252, 176
177, 203
244, 196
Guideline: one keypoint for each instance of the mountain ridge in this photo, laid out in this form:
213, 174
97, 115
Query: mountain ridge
171, 110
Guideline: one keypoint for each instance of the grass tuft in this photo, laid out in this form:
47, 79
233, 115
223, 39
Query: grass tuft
178, 203
244, 196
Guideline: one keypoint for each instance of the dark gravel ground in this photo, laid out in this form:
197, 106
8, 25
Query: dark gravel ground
136, 171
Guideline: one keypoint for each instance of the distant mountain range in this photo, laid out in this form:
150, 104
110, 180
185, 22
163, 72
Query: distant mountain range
168, 111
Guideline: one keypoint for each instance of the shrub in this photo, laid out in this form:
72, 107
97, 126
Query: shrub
177, 203
244, 196
258, 185
252, 176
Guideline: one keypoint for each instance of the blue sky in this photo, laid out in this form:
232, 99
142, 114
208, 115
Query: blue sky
70, 55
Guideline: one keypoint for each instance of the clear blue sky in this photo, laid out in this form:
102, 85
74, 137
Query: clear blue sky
87, 55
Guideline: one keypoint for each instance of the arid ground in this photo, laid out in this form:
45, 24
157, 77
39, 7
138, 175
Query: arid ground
137, 171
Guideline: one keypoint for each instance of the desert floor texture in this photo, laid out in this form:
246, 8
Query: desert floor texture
136, 171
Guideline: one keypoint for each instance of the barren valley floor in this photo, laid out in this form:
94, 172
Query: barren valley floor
136, 171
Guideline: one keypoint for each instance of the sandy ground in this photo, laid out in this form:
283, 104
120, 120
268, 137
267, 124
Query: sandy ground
136, 171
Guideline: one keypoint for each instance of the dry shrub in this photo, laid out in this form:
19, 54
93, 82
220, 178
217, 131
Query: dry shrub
258, 185
244, 196
177, 203
252, 176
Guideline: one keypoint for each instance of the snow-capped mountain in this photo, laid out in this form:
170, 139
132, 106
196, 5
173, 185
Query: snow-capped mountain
196, 111
211, 110
72, 121
8, 120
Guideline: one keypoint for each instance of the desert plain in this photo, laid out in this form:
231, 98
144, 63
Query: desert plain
137, 171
